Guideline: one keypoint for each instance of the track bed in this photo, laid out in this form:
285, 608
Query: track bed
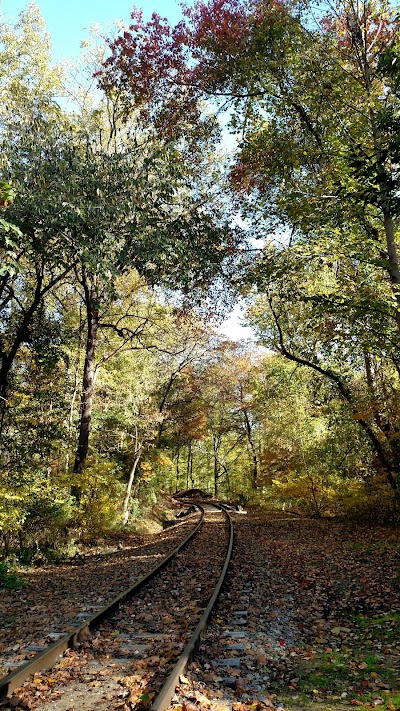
56, 599
126, 661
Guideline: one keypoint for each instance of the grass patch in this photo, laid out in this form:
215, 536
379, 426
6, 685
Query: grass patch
348, 672
384, 629
364, 675
387, 701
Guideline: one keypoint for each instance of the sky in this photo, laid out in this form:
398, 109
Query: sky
68, 22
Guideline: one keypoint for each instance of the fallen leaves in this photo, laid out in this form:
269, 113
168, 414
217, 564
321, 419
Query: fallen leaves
55, 595
320, 600
141, 637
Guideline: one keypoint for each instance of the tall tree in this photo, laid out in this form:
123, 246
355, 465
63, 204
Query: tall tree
100, 196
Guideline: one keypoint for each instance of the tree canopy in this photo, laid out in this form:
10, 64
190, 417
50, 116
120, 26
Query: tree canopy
125, 231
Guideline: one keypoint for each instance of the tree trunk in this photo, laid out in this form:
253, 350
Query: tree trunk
371, 384
250, 441
22, 334
77, 367
125, 505
177, 469
216, 445
7, 359
89, 375
390, 467
189, 465
393, 262
163, 402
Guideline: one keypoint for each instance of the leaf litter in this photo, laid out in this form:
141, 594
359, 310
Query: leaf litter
58, 597
124, 663
323, 624
321, 631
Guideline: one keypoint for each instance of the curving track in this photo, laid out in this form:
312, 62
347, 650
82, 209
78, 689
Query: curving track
85, 622
138, 654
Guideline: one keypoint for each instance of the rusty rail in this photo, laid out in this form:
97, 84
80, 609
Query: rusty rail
49, 656
163, 699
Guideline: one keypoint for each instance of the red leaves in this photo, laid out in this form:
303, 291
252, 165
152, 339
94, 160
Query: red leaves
164, 71
374, 29
148, 64
219, 26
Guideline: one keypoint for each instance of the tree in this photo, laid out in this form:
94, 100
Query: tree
288, 327
316, 101
100, 197
221, 392
311, 157
27, 85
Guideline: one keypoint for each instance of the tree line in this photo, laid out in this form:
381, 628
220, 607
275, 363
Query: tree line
120, 243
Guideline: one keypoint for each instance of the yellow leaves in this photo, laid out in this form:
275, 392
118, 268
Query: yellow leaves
147, 470
165, 460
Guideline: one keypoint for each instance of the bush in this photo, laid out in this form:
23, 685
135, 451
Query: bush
373, 502
312, 494
8, 577
34, 510
101, 496
326, 495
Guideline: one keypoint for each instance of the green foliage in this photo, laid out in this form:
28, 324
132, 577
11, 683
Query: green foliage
9, 579
372, 502
101, 493
104, 215
12, 512
36, 507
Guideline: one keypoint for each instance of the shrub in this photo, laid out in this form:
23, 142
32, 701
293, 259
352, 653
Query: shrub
34, 510
101, 496
373, 501
8, 577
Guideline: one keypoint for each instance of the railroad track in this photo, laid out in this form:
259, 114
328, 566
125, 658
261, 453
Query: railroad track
85, 622
136, 648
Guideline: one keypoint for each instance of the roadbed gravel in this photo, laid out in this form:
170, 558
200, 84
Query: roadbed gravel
56, 598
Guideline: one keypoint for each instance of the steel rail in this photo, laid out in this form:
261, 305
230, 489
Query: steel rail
163, 699
49, 656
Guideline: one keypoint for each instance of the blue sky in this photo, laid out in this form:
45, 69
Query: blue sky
66, 20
